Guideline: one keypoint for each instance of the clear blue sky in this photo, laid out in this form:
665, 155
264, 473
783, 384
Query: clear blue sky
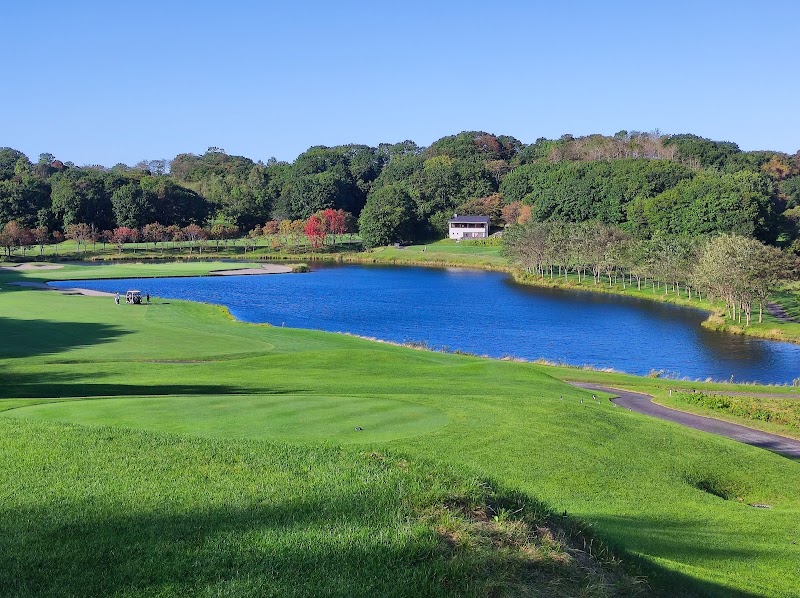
107, 82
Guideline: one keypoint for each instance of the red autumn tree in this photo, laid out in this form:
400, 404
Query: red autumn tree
120, 236
80, 233
336, 222
316, 230
155, 233
26, 239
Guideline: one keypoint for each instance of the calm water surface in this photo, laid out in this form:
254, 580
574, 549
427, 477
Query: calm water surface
488, 314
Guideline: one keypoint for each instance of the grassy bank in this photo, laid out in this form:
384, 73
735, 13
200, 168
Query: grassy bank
110, 511
193, 408
782, 402
771, 414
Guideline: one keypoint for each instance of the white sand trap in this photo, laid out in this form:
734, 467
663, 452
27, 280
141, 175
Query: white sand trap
40, 286
32, 267
264, 269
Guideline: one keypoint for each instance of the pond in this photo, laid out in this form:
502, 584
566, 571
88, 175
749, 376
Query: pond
487, 313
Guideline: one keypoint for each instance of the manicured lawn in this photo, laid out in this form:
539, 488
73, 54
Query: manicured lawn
288, 417
98, 512
639, 485
440, 253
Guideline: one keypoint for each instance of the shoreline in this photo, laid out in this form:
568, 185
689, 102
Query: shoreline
715, 320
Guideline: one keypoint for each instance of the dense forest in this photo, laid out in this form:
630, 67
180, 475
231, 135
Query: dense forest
642, 183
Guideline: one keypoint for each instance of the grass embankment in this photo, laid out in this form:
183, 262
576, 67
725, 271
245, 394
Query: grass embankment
771, 328
781, 412
110, 511
638, 484
778, 414
233, 249
441, 253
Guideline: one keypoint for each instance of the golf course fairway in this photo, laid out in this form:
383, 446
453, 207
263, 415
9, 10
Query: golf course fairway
170, 449
340, 420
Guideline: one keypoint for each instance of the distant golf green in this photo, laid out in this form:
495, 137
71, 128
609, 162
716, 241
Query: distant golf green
300, 418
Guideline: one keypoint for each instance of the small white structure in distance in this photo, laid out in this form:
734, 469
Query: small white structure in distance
469, 227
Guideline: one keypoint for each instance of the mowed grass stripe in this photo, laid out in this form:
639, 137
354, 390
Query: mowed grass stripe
300, 418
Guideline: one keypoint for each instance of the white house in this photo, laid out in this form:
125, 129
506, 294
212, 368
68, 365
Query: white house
469, 227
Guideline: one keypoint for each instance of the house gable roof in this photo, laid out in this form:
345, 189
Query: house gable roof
469, 220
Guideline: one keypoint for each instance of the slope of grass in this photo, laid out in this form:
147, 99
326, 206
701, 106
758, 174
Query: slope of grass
668, 393
440, 253
772, 414
108, 511
642, 486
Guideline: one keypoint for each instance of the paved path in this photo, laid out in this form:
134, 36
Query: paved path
641, 403
778, 312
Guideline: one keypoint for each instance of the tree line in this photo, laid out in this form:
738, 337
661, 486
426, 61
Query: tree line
737, 269
642, 183
315, 230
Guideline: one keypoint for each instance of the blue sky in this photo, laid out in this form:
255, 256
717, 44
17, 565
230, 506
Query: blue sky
103, 82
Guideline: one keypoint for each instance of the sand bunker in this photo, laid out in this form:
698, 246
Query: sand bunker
40, 286
264, 269
32, 267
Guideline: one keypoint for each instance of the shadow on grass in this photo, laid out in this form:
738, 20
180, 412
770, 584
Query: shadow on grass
54, 385
681, 542
287, 549
31, 338
332, 546
15, 389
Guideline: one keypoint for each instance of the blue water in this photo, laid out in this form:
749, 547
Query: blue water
488, 314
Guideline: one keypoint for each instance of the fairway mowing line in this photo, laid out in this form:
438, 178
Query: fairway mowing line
211, 359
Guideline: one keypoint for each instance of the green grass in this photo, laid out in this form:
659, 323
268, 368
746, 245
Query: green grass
640, 486
778, 415
440, 253
667, 392
789, 298
287, 417
90, 512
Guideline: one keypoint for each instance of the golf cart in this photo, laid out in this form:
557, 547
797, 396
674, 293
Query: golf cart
134, 297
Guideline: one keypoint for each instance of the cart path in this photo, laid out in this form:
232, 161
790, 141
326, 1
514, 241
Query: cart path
642, 403
777, 311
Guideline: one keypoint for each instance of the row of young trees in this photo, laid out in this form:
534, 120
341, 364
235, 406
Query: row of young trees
737, 269
14, 236
316, 229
